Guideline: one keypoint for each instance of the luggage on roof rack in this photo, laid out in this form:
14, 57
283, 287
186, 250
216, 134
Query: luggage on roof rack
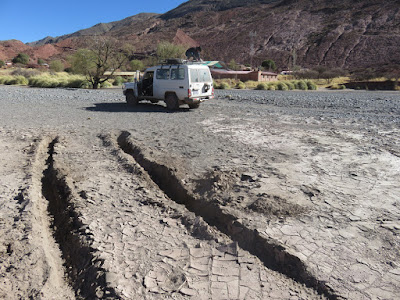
174, 61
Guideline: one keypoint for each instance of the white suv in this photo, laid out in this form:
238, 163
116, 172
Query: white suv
176, 82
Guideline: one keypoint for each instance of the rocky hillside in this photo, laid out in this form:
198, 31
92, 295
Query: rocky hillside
99, 29
342, 33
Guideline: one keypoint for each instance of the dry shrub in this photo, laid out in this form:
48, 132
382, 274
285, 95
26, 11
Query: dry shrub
47, 80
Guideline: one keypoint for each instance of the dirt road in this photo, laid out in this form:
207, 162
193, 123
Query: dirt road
255, 195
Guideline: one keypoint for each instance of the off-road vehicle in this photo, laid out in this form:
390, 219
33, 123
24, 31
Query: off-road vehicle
176, 82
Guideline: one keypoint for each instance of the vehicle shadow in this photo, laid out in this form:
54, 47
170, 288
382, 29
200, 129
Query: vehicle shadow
124, 107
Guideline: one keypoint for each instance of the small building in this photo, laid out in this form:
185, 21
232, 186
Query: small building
122, 74
261, 76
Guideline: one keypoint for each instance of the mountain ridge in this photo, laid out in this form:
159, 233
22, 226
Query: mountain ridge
99, 29
342, 34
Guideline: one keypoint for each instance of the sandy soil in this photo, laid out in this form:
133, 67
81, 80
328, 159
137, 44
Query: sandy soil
251, 196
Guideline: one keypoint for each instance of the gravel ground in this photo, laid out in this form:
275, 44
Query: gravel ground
277, 189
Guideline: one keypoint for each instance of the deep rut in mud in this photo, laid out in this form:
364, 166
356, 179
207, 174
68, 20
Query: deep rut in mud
270, 252
85, 274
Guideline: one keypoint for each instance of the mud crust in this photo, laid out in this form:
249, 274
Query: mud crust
273, 254
193, 223
85, 274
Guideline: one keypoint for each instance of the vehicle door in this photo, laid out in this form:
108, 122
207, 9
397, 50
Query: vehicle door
161, 81
146, 86
200, 82
178, 81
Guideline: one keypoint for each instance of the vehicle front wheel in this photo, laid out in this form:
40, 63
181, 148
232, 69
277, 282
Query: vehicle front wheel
194, 105
131, 99
172, 102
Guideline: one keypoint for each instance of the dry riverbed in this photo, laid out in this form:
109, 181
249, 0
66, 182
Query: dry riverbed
255, 195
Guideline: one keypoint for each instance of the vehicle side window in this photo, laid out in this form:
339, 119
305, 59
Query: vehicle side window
178, 74
162, 74
148, 75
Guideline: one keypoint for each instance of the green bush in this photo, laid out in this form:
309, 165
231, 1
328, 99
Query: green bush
222, 85
57, 66
76, 83
271, 87
87, 85
262, 86
282, 86
240, 85
44, 82
118, 81
251, 84
47, 80
106, 84
137, 65
21, 58
269, 65
2, 63
5, 79
290, 85
13, 80
21, 80
337, 87
167, 50
311, 85
302, 85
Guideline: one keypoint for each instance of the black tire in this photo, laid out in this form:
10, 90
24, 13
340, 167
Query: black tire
194, 105
171, 101
131, 99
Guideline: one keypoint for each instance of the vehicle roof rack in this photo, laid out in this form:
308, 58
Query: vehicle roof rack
174, 61
179, 61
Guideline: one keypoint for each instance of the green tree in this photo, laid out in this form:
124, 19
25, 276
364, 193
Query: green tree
364, 74
167, 50
269, 65
41, 61
233, 65
21, 58
101, 55
150, 61
2, 63
57, 66
136, 65
293, 61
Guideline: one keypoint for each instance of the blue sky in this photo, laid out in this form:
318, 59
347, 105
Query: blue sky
32, 20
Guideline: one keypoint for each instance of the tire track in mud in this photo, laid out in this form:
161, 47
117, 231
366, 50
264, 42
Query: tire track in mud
83, 268
273, 254
37, 254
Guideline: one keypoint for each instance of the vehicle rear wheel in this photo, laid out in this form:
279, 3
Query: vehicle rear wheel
172, 102
131, 99
194, 105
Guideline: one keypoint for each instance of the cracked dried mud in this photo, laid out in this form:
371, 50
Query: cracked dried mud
255, 195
